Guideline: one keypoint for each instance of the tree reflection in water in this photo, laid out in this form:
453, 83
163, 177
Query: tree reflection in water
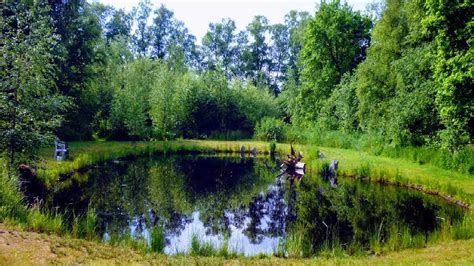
242, 201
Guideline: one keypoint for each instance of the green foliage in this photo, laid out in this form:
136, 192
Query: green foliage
130, 107
80, 59
297, 246
464, 228
29, 104
450, 24
396, 78
334, 43
167, 101
171, 104
45, 221
273, 147
339, 111
270, 129
363, 171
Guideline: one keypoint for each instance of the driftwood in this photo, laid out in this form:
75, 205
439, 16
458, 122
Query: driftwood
292, 167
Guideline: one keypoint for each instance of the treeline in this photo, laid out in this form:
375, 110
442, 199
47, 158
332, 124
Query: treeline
76, 70
412, 85
79, 70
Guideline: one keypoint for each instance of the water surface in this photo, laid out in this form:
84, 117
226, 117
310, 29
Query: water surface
243, 202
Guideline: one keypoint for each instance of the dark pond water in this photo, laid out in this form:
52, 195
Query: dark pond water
242, 202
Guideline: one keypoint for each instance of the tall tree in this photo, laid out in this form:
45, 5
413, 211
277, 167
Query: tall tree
257, 58
141, 36
397, 78
161, 31
335, 41
450, 23
285, 46
29, 104
171, 39
279, 55
219, 45
296, 23
80, 33
120, 24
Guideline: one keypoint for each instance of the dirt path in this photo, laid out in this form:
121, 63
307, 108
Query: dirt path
18, 246
28, 248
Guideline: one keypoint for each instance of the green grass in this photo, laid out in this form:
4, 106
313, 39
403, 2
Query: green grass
158, 241
461, 161
201, 248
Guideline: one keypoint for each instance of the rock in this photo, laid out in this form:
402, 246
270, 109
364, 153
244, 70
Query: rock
334, 165
254, 151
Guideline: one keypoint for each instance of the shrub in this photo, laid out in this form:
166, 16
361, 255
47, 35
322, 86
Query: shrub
270, 129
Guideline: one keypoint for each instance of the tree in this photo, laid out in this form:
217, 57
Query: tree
120, 24
77, 59
335, 42
450, 24
279, 55
131, 105
141, 36
161, 32
219, 45
170, 38
396, 78
29, 104
256, 58
296, 22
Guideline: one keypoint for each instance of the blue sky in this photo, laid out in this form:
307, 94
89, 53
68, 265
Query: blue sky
197, 14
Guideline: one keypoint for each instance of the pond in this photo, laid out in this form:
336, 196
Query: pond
243, 203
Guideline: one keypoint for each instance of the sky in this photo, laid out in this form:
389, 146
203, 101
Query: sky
197, 14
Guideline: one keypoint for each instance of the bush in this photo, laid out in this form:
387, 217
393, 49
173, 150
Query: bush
270, 129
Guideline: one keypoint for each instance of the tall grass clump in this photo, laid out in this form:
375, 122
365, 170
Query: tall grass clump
464, 229
297, 246
45, 221
363, 171
225, 252
273, 148
11, 200
325, 170
157, 239
90, 223
332, 249
199, 248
